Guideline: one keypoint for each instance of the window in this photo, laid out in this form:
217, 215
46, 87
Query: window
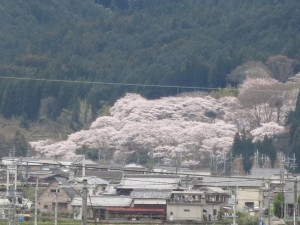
54, 191
186, 210
214, 212
45, 206
249, 205
171, 213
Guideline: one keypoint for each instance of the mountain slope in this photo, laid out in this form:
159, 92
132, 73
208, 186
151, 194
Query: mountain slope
180, 43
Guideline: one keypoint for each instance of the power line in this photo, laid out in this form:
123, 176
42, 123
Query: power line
139, 85
97, 167
108, 83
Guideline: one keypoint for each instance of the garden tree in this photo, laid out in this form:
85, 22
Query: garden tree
281, 67
246, 219
278, 203
20, 144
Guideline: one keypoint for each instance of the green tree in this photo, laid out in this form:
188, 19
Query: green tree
236, 147
295, 133
245, 147
267, 147
20, 144
278, 205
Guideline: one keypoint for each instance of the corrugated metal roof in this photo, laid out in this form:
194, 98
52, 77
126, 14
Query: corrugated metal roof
265, 172
136, 210
104, 201
149, 181
214, 190
150, 194
230, 182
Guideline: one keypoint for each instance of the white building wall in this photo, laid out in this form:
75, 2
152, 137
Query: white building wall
184, 212
249, 195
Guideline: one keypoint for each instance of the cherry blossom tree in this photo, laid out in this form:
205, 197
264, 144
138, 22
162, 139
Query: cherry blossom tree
263, 100
166, 128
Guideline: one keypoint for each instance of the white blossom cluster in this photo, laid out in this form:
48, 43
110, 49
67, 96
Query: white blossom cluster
188, 126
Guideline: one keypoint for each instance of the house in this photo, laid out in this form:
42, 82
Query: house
60, 193
133, 168
102, 207
196, 205
249, 194
152, 203
95, 185
29, 163
112, 176
132, 182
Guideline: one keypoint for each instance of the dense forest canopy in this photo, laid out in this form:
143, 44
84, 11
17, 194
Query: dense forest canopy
177, 43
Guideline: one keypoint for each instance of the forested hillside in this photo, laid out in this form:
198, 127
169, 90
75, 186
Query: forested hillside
181, 43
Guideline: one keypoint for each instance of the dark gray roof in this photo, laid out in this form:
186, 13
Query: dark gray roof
113, 177
265, 172
230, 182
66, 186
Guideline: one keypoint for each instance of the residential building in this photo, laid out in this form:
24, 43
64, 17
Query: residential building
102, 207
132, 182
196, 205
95, 185
60, 193
249, 194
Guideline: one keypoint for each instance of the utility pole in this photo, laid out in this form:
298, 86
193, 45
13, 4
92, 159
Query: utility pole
55, 207
83, 166
84, 203
269, 203
55, 195
36, 201
234, 207
282, 160
7, 180
14, 198
295, 201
